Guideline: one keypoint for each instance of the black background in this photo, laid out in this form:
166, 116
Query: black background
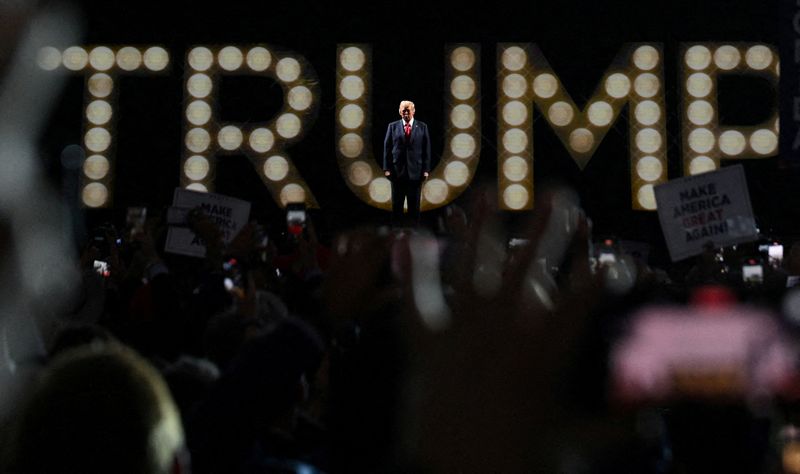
579, 39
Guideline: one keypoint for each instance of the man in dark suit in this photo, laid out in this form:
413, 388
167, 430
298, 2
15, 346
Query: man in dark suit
406, 161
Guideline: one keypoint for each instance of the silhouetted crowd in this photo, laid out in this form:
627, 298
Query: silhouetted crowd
464, 349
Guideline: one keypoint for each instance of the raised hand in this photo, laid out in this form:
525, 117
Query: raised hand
487, 364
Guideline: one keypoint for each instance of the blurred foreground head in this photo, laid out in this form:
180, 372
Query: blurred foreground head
98, 409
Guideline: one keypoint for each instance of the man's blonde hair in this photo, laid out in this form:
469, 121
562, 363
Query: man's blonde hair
404, 103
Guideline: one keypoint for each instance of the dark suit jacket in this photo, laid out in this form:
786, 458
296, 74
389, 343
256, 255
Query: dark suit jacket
407, 158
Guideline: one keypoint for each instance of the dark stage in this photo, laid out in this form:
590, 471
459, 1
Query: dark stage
579, 40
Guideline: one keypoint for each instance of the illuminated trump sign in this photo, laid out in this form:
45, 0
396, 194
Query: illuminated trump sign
526, 85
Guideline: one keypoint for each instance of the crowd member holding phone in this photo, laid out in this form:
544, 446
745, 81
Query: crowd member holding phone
295, 218
406, 162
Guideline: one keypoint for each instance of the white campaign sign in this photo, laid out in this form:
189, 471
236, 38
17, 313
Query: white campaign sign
710, 207
230, 215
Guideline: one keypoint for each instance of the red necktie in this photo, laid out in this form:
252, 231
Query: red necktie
408, 130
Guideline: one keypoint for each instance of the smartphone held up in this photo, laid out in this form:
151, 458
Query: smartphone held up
295, 218
102, 268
